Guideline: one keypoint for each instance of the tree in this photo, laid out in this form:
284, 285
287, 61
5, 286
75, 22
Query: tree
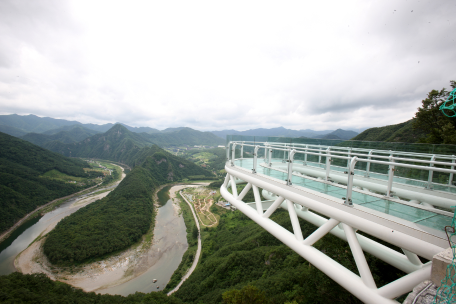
440, 129
247, 295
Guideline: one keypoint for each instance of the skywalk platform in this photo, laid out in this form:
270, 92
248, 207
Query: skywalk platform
405, 198
418, 220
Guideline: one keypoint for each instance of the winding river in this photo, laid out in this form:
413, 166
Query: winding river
159, 262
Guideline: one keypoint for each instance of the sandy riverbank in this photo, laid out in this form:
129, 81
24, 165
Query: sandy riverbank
99, 275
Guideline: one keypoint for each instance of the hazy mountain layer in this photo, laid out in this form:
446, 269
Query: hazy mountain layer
281, 132
71, 134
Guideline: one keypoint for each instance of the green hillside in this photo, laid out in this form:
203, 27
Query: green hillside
23, 182
402, 132
117, 144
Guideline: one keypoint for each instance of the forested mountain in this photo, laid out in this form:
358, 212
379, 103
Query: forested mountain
119, 144
34, 124
22, 184
183, 136
402, 132
79, 129
71, 134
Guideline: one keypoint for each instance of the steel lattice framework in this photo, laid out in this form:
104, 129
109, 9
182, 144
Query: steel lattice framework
344, 215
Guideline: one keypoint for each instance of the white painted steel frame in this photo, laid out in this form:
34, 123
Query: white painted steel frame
362, 287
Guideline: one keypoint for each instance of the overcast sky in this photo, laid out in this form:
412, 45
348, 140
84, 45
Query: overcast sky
213, 65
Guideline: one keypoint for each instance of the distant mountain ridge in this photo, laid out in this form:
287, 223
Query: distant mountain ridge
120, 144
35, 124
50, 133
72, 134
339, 134
283, 132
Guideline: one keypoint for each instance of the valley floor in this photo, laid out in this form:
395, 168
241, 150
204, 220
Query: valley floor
100, 275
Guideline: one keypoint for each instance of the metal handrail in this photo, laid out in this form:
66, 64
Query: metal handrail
351, 160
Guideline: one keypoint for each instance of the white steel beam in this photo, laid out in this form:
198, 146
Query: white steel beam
258, 203
359, 257
334, 270
320, 232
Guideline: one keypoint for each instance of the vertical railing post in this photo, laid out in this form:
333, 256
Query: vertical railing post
305, 155
242, 149
390, 177
431, 174
328, 163
450, 179
319, 156
290, 166
269, 156
265, 152
351, 173
368, 164
349, 155
228, 151
233, 154
255, 158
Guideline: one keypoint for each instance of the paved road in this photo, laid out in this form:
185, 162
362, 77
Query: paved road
198, 251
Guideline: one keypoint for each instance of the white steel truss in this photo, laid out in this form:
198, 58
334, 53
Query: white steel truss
344, 219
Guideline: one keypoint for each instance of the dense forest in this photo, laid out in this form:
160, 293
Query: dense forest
18, 288
108, 225
22, 184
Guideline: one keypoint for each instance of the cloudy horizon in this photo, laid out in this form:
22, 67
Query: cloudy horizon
215, 66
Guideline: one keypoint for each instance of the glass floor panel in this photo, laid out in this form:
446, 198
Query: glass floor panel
384, 177
405, 212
